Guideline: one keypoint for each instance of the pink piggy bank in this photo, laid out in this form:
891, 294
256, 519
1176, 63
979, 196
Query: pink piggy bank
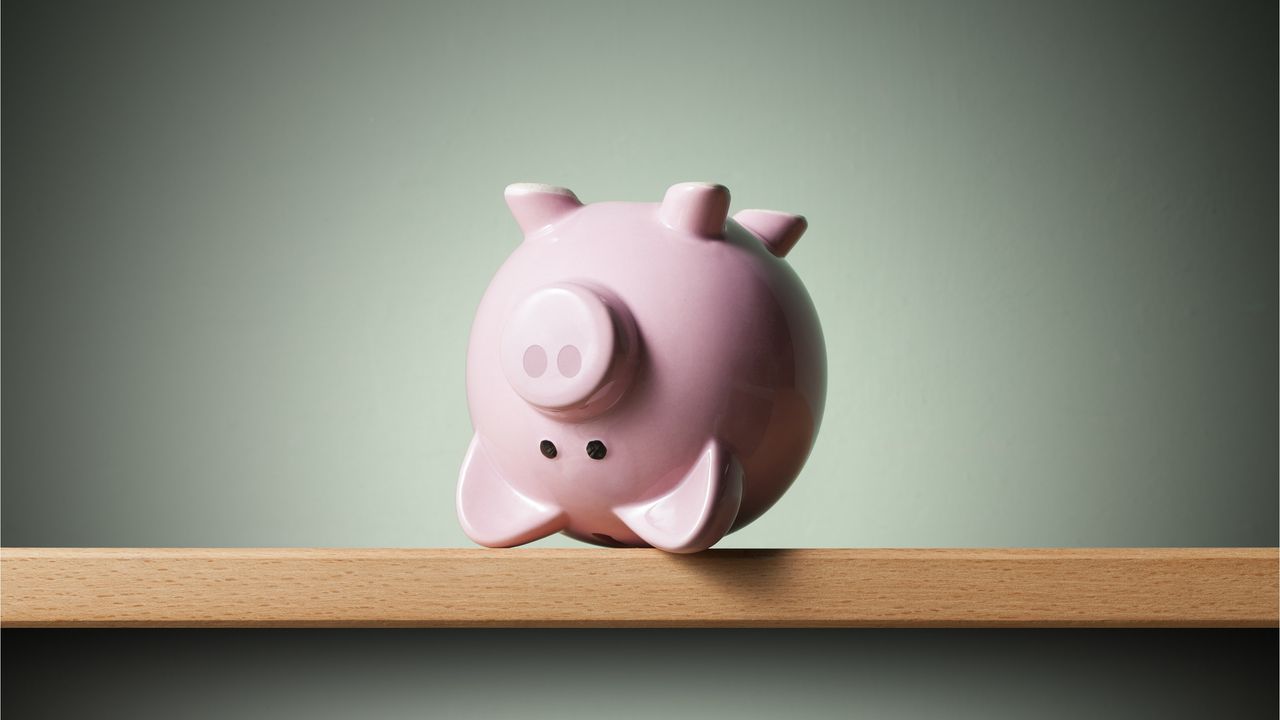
639, 374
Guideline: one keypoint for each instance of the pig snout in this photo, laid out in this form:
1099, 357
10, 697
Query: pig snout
569, 350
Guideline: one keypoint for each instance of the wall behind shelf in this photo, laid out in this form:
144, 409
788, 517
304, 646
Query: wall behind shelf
641, 674
242, 244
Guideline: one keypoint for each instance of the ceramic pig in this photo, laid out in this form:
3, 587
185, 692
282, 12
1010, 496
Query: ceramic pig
639, 374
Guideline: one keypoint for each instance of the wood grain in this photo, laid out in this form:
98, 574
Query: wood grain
587, 587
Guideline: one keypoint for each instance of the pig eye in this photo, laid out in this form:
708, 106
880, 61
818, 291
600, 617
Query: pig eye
548, 449
596, 450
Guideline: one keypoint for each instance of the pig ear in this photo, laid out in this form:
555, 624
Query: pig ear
777, 230
492, 513
696, 514
537, 206
700, 208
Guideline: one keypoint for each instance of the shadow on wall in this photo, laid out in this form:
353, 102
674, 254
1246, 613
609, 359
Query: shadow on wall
640, 673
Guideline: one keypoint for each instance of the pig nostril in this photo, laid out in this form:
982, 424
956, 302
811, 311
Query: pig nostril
548, 449
569, 361
535, 361
596, 450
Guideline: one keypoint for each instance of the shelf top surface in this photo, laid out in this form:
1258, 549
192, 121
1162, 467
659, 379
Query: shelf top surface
594, 587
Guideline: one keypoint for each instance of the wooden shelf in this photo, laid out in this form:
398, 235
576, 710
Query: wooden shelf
588, 587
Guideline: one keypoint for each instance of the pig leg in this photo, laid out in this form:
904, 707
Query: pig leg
698, 512
492, 512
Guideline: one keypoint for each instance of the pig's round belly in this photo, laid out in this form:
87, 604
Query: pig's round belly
729, 346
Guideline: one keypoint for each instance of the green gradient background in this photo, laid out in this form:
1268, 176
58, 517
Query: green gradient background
242, 243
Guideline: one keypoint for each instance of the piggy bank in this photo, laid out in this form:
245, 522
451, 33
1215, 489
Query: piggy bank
639, 374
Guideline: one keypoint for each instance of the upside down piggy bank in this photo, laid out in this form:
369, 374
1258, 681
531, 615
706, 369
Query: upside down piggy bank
639, 374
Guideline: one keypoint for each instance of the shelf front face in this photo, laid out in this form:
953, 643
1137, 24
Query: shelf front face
589, 587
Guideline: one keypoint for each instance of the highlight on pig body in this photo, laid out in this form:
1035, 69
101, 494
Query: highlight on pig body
639, 374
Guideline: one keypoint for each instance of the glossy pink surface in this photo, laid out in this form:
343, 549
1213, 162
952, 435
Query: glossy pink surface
669, 355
